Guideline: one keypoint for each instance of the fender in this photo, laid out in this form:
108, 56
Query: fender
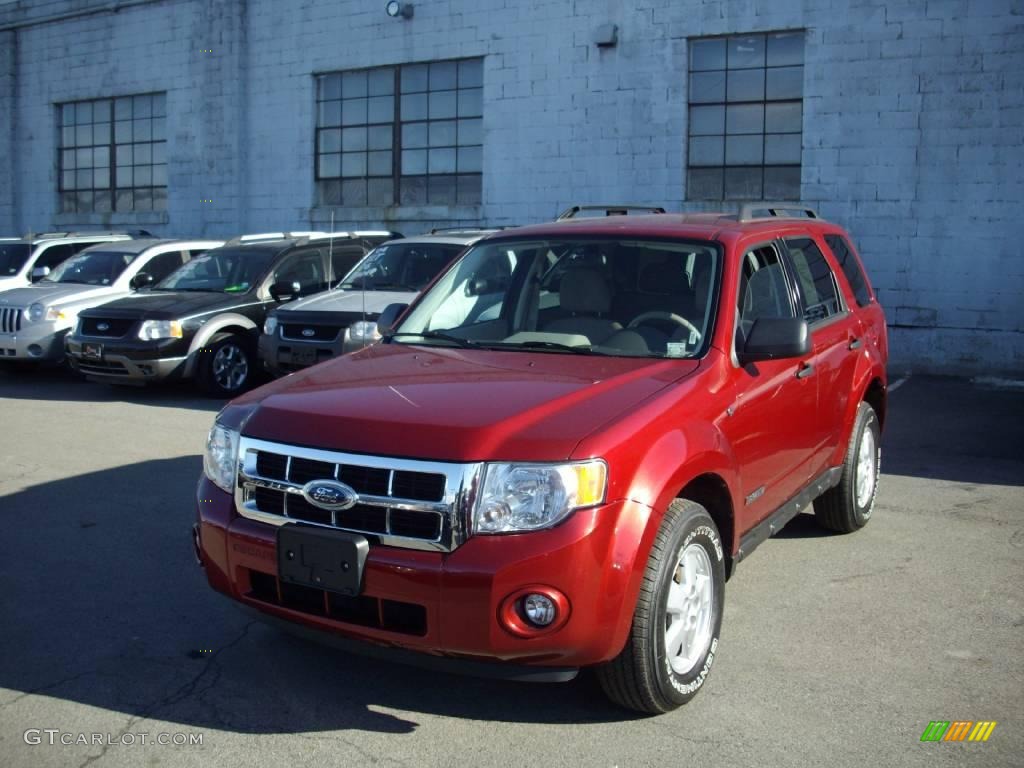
209, 330
869, 367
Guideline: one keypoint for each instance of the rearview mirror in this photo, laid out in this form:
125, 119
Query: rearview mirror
388, 318
141, 280
481, 286
285, 291
776, 338
39, 273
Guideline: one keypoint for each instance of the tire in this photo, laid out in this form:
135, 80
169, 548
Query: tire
226, 365
644, 677
847, 507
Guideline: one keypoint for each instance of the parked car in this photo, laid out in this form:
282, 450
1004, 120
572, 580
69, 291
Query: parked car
560, 452
101, 273
29, 259
203, 320
310, 330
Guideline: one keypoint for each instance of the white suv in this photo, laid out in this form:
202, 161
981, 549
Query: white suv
24, 261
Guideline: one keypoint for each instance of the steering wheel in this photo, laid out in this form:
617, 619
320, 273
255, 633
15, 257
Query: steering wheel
670, 316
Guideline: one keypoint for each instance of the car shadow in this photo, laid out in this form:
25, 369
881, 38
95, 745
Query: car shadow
104, 605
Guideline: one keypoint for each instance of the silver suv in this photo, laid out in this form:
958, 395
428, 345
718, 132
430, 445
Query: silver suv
344, 319
26, 260
35, 319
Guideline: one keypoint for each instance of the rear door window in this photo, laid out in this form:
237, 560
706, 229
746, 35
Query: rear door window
848, 262
815, 279
162, 265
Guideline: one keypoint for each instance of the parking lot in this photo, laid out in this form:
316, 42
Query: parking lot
836, 650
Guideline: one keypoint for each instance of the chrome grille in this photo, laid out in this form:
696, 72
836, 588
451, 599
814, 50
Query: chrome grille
402, 502
10, 319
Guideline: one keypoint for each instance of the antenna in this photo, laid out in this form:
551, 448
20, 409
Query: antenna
330, 246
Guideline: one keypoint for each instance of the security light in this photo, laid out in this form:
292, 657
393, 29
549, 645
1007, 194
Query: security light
396, 9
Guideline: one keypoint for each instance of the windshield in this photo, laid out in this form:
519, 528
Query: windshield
646, 298
91, 268
222, 270
401, 266
12, 258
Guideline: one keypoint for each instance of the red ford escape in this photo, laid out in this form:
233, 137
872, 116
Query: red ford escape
561, 451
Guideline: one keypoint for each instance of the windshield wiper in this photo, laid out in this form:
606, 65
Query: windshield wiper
540, 344
437, 335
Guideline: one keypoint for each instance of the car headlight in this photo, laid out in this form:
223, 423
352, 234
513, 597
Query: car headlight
528, 497
152, 330
364, 330
35, 312
270, 326
221, 460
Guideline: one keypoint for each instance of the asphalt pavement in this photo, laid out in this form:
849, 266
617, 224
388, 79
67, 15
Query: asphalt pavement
836, 650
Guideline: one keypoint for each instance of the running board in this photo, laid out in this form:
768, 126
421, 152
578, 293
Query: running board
777, 519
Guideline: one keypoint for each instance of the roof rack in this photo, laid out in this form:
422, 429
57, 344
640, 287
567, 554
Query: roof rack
134, 233
468, 230
750, 211
344, 235
609, 210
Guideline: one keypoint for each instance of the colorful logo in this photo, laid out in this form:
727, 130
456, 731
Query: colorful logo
958, 730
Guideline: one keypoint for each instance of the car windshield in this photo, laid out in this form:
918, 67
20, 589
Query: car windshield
91, 268
12, 257
401, 266
622, 297
222, 270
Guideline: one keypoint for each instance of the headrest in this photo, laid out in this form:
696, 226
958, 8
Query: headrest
585, 291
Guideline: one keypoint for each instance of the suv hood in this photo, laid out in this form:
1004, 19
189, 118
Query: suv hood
54, 294
454, 404
348, 301
171, 305
13, 281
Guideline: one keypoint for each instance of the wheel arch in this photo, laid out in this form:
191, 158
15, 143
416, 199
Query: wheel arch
228, 323
711, 492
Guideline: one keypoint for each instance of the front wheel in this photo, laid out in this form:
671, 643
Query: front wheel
225, 366
678, 617
848, 505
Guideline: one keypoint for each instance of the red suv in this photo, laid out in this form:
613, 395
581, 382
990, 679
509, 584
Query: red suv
562, 450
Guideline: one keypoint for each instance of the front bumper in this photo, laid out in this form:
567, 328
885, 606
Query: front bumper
40, 342
129, 361
593, 558
282, 356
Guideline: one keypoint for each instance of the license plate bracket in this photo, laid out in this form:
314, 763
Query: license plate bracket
303, 355
321, 558
92, 351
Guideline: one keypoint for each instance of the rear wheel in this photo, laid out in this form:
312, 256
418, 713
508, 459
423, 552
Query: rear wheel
226, 365
848, 505
678, 617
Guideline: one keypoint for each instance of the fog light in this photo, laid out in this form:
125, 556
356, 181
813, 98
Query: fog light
539, 610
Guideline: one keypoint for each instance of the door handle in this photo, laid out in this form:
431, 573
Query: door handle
856, 343
806, 369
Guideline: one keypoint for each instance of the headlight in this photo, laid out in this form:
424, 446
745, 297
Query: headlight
528, 497
152, 330
364, 330
35, 312
221, 459
270, 326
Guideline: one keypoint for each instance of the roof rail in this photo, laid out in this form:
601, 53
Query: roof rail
134, 233
257, 237
609, 210
468, 230
750, 211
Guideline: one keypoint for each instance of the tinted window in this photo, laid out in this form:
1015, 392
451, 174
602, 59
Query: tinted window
305, 268
817, 284
851, 268
764, 291
12, 258
92, 268
162, 265
342, 261
401, 266
54, 255
222, 270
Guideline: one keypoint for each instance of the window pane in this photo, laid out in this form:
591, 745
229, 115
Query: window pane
67, 137
330, 113
471, 102
744, 150
414, 190
379, 137
471, 73
707, 150
785, 48
468, 189
101, 111
142, 130
414, 135
67, 180
353, 164
441, 161
746, 51
123, 109
353, 192
441, 190
782, 149
143, 176
470, 159
101, 201
83, 158
414, 161
784, 117
329, 166
83, 112
442, 104
707, 87
707, 54
442, 75
353, 139
159, 104
707, 121
471, 132
743, 184
142, 106
380, 192
83, 135
414, 78
101, 133
143, 199
353, 85
704, 184
123, 200
746, 118
142, 154
123, 131
67, 114
379, 164
442, 134
329, 87
67, 158
101, 178
125, 177
381, 109
785, 83
84, 200
353, 112
330, 140
414, 107
159, 128
782, 183
746, 85
124, 154
160, 175
101, 157
67, 202
381, 82
159, 199
329, 192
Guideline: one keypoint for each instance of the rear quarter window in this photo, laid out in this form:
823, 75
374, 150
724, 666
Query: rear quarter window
851, 268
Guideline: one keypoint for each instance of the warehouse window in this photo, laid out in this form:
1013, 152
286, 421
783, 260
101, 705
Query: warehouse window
745, 117
406, 135
113, 154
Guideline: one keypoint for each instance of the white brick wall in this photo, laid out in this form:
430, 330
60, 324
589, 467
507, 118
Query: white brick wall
913, 125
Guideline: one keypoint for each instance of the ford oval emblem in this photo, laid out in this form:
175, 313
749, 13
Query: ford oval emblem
307, 332
102, 326
329, 494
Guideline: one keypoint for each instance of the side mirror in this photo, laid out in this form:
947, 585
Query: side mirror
285, 291
141, 280
776, 338
388, 318
39, 273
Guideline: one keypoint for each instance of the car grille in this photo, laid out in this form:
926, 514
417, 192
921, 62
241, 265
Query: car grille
115, 327
10, 319
102, 367
310, 332
402, 503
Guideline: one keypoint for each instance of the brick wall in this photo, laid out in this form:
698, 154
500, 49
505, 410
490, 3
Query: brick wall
913, 125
